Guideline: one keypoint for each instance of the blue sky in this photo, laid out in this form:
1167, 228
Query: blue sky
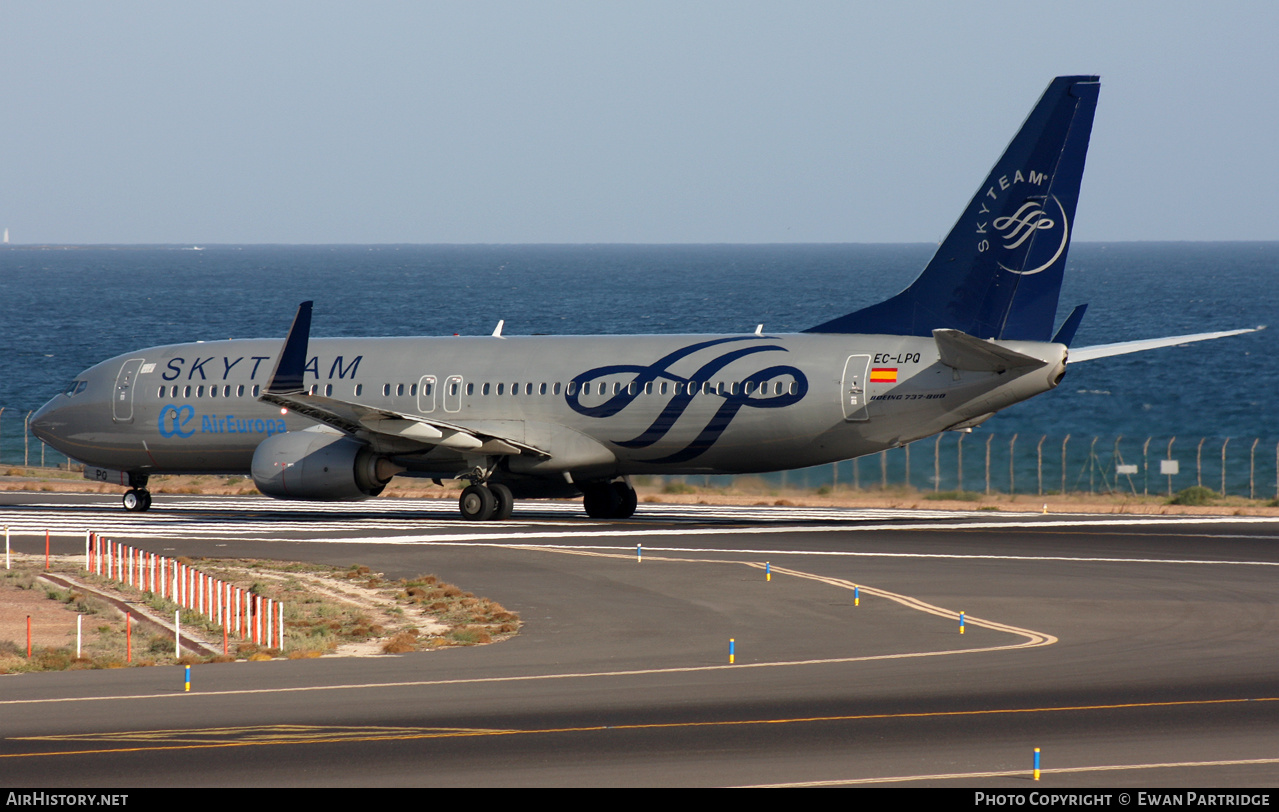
590, 122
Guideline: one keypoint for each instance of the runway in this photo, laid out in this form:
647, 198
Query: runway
1133, 652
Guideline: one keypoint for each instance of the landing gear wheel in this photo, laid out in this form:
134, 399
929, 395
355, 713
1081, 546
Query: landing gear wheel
505, 501
477, 504
600, 500
627, 501
137, 500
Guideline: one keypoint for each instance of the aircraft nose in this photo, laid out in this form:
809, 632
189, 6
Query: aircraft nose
44, 422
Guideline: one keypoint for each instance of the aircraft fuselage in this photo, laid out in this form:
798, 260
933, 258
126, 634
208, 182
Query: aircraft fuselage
601, 406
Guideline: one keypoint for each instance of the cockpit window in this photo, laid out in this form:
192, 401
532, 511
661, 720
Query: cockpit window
75, 387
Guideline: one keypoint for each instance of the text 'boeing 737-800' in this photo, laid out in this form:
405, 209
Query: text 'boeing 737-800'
529, 417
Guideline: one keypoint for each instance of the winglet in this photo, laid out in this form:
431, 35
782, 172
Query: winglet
290, 367
1066, 333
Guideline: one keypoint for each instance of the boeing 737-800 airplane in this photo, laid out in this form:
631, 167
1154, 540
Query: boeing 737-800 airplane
527, 417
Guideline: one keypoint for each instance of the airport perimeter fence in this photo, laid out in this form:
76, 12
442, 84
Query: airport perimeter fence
977, 462
1040, 465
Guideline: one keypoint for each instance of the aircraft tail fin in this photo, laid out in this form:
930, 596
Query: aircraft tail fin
998, 272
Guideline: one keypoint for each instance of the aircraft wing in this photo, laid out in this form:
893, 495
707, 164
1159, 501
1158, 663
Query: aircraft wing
385, 429
395, 431
1125, 347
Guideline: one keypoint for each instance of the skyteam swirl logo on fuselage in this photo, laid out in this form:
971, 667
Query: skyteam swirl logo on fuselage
683, 398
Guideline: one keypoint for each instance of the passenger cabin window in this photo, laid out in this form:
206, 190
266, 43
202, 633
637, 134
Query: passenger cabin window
557, 387
470, 389
399, 390
386, 390
359, 389
256, 390
501, 388
239, 391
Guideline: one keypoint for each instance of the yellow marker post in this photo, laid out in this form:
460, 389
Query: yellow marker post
187, 684
857, 595
732, 644
768, 571
961, 622
1036, 763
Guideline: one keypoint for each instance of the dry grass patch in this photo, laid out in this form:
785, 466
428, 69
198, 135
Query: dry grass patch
346, 612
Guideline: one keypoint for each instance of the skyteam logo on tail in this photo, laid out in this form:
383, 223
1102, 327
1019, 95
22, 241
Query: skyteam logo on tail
1013, 231
1022, 224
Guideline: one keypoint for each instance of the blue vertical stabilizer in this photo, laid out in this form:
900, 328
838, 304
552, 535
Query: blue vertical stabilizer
998, 272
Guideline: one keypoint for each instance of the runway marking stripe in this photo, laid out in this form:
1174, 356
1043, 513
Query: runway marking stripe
1033, 638
1240, 762
523, 678
420, 733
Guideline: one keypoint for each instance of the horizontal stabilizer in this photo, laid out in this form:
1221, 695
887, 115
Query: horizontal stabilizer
1070, 326
962, 351
1125, 347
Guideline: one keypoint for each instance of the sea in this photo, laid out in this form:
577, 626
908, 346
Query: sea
65, 308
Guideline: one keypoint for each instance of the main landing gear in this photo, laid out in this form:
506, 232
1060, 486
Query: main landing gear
137, 499
482, 502
609, 500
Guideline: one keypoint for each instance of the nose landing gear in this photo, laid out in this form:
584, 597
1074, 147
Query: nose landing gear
137, 499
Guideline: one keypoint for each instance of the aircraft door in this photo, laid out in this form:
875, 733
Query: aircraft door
453, 393
426, 394
853, 392
122, 397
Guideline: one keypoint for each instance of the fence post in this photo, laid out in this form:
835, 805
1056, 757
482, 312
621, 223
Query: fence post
906, 448
1063, 464
883, 470
989, 437
1039, 451
1, 443
1092, 462
1223, 466
959, 448
26, 441
857, 479
1170, 442
937, 466
1012, 480
1199, 469
1252, 469
1145, 468
834, 476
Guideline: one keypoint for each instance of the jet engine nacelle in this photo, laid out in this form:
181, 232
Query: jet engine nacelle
319, 466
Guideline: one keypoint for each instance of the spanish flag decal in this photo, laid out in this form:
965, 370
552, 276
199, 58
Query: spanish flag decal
883, 375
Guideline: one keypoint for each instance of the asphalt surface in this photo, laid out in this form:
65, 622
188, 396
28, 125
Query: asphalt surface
1133, 652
